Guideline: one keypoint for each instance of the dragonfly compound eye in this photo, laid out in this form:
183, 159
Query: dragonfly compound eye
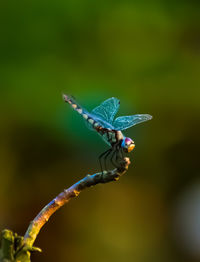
128, 144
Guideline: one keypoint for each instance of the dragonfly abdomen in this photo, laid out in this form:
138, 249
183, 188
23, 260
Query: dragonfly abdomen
73, 104
94, 124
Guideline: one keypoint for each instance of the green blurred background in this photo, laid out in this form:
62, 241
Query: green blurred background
146, 53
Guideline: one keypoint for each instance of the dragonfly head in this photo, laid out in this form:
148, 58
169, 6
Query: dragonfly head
128, 144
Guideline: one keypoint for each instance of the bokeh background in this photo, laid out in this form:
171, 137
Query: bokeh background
146, 53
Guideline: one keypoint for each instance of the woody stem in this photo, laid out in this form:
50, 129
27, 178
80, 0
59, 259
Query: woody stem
88, 181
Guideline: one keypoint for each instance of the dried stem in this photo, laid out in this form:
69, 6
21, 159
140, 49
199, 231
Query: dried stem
67, 194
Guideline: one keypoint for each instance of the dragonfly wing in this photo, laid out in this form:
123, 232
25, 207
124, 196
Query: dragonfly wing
107, 110
124, 122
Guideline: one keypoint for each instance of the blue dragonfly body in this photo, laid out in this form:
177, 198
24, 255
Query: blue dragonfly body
101, 119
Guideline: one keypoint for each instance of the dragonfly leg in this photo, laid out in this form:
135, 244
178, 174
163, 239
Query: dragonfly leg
119, 154
117, 158
122, 152
105, 158
100, 157
114, 156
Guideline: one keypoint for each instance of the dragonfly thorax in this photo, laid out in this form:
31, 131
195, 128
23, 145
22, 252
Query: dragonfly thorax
127, 144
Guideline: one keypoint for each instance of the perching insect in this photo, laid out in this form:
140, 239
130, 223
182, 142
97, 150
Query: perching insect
101, 120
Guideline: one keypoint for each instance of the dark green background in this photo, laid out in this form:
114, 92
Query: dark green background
146, 53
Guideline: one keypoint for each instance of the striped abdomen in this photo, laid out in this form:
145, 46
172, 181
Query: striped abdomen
81, 111
110, 135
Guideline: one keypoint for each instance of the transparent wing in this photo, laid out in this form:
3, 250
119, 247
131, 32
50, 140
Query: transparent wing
124, 122
107, 110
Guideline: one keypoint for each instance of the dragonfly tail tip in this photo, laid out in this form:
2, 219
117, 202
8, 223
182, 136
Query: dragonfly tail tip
65, 98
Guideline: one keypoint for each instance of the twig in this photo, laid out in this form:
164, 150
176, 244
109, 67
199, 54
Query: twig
67, 194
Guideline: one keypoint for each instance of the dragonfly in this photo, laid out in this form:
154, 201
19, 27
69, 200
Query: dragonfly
102, 120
